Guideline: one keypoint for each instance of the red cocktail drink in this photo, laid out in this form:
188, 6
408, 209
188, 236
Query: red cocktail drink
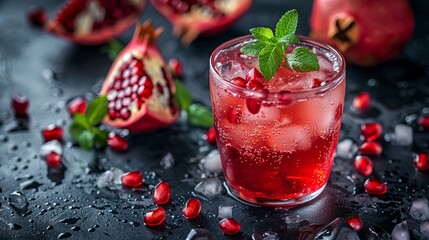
277, 143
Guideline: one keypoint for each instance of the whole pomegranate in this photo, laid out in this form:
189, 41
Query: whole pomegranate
139, 87
191, 18
92, 22
366, 31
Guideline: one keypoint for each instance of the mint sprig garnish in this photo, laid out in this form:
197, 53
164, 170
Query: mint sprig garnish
113, 48
85, 129
271, 47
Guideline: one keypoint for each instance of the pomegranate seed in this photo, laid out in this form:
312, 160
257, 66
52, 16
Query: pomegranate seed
317, 83
211, 135
364, 165
355, 222
254, 85
371, 131
20, 104
421, 162
229, 226
176, 67
155, 217
253, 105
125, 113
254, 74
424, 122
159, 88
161, 193
52, 132
132, 179
371, 148
117, 143
233, 115
112, 114
192, 208
144, 91
362, 101
239, 81
77, 105
53, 159
374, 186
37, 16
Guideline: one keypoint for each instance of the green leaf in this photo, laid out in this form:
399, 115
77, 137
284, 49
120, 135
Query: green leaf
200, 115
183, 96
289, 39
113, 48
262, 33
303, 60
270, 59
86, 139
287, 23
253, 48
97, 110
101, 137
75, 130
81, 120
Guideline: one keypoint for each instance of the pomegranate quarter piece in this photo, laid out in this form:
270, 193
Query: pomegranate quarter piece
161, 193
192, 208
77, 105
364, 165
52, 132
117, 143
355, 222
20, 105
371, 131
94, 22
155, 217
132, 179
362, 101
139, 87
229, 226
421, 162
374, 186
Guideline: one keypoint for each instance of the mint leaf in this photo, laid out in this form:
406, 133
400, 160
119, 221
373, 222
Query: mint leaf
303, 60
199, 115
74, 130
97, 110
86, 139
270, 59
81, 120
101, 136
113, 48
262, 33
288, 39
253, 48
183, 96
287, 23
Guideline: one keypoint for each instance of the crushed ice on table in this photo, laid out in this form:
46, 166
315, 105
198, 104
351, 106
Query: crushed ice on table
224, 212
403, 135
268, 235
424, 229
337, 230
200, 234
51, 146
419, 209
18, 201
167, 161
212, 163
209, 188
231, 69
110, 178
400, 231
346, 148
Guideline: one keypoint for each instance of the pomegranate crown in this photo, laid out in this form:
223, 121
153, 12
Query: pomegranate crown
147, 32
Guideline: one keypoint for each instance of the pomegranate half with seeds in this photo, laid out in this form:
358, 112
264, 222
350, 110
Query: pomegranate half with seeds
191, 18
139, 87
92, 22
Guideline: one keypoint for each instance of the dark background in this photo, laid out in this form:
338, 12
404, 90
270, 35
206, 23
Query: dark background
66, 199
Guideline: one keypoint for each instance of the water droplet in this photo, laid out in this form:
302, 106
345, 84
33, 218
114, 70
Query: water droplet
69, 221
14, 226
91, 229
64, 235
19, 201
49, 227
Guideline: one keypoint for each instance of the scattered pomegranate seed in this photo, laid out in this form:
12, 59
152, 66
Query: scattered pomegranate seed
155, 217
253, 105
374, 186
20, 104
371, 148
254, 74
117, 143
239, 81
371, 131
132, 179
176, 67
254, 85
424, 122
161, 193
37, 15
421, 162
364, 165
229, 226
355, 222
233, 115
192, 208
211, 135
77, 105
53, 159
52, 132
362, 101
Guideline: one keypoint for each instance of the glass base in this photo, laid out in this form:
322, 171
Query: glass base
270, 203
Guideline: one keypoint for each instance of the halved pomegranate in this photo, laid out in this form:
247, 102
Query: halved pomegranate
139, 87
191, 18
92, 22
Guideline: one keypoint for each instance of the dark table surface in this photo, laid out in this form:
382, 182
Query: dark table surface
68, 201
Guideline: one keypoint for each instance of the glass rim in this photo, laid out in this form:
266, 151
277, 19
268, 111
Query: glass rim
274, 97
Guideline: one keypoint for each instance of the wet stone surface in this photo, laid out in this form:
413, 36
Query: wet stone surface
84, 198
